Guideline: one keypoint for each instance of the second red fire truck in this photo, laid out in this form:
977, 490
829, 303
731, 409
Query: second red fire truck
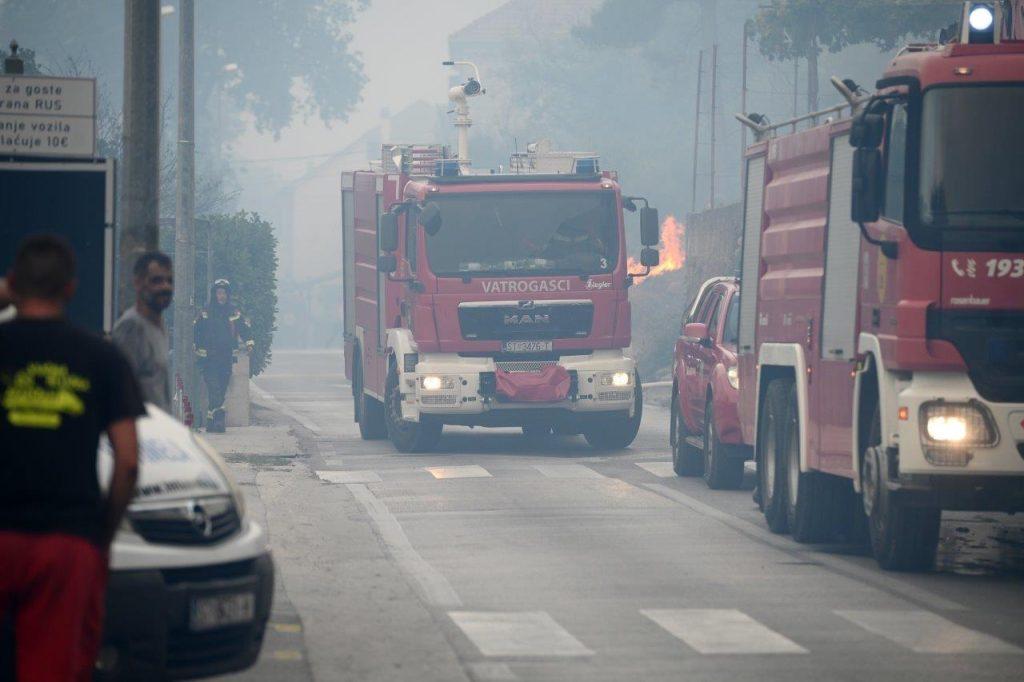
881, 327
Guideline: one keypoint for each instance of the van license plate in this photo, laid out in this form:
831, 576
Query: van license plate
208, 613
525, 346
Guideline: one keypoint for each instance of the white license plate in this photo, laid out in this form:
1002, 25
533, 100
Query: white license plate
525, 346
208, 613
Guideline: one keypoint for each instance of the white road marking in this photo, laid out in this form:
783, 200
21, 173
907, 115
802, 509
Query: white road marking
928, 633
566, 471
434, 586
517, 633
873, 577
659, 469
488, 671
349, 476
466, 471
722, 631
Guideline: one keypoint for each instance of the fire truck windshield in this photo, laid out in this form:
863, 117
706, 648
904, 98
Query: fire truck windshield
972, 143
523, 233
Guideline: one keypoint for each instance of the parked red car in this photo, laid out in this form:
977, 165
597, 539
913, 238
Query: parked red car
705, 430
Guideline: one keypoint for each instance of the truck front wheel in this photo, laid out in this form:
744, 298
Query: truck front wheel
369, 413
617, 433
771, 454
903, 538
407, 436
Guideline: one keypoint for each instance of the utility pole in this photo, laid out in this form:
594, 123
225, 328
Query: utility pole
796, 87
139, 228
184, 224
696, 135
743, 91
714, 113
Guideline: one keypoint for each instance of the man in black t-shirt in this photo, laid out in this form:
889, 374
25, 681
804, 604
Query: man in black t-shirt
60, 388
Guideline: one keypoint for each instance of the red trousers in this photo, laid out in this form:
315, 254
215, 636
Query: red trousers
52, 585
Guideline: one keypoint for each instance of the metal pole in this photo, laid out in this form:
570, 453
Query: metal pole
796, 88
714, 112
743, 92
140, 189
696, 136
184, 224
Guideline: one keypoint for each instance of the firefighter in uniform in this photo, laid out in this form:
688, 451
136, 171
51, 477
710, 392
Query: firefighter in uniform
218, 330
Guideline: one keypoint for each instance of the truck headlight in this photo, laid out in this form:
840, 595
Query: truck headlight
434, 382
957, 425
617, 379
733, 375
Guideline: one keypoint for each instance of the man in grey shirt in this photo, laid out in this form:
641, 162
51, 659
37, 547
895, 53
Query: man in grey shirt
140, 332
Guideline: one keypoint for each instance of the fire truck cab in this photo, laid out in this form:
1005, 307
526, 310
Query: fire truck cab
881, 337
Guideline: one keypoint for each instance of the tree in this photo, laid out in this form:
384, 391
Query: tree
244, 250
800, 29
269, 47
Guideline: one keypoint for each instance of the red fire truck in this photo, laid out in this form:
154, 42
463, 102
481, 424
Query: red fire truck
494, 299
881, 335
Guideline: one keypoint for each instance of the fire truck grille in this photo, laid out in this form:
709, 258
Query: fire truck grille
449, 399
992, 345
524, 366
527, 320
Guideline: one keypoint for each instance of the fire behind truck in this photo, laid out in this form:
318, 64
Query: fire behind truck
881, 336
495, 299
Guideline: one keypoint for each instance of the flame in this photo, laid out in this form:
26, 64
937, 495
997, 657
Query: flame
673, 255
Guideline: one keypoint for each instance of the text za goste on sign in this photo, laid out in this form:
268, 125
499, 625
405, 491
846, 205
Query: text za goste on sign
41, 116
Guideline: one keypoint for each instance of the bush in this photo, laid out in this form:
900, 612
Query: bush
244, 251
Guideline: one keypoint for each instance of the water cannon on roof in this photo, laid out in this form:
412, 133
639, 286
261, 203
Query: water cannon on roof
459, 96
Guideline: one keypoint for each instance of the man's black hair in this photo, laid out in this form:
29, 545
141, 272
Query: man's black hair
142, 262
43, 267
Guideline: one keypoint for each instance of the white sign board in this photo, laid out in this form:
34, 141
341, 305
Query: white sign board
41, 116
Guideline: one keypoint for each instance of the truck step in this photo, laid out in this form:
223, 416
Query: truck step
695, 442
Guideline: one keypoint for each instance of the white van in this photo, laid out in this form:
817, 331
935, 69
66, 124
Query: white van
191, 579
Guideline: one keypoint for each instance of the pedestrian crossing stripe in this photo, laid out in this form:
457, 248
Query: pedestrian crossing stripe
517, 633
928, 633
722, 631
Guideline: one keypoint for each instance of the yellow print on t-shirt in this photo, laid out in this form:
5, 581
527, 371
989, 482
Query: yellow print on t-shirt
41, 393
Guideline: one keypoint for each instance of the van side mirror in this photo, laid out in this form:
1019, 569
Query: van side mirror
696, 331
867, 130
387, 233
866, 198
387, 264
649, 227
430, 218
650, 258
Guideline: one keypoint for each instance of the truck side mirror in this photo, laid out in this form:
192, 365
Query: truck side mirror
867, 130
387, 233
430, 218
649, 227
649, 257
865, 199
387, 264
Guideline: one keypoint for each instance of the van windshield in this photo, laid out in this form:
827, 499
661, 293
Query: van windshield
525, 233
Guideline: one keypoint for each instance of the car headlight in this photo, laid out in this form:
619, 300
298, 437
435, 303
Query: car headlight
236, 493
957, 425
733, 375
434, 382
617, 379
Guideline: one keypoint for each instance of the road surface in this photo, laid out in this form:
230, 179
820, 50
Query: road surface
489, 560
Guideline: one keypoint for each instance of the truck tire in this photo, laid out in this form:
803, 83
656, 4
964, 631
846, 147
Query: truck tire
686, 459
809, 506
722, 470
902, 538
771, 465
407, 436
617, 433
369, 412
